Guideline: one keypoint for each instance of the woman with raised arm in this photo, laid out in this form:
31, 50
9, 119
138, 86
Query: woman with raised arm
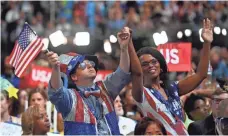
157, 96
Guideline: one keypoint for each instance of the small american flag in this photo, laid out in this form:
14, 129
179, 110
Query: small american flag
26, 48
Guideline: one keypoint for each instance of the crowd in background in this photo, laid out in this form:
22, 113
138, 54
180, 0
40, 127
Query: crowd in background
99, 18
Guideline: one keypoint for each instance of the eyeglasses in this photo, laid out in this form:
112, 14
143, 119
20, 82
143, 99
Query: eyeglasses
84, 64
153, 62
216, 100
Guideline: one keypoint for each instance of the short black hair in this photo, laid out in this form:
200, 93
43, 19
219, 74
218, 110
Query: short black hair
141, 126
190, 104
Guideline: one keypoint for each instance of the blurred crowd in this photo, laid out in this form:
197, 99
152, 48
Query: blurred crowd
99, 18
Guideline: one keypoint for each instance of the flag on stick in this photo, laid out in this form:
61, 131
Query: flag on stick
26, 48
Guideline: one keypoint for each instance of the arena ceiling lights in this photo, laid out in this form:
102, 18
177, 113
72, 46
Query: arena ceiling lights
200, 32
57, 38
224, 32
160, 38
82, 39
107, 46
112, 39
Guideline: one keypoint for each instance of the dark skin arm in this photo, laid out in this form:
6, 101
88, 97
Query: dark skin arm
136, 74
191, 82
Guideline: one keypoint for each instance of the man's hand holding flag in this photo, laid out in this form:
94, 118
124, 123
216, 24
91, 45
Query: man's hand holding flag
26, 48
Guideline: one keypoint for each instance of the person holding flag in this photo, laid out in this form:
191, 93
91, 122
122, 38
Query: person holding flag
26, 48
156, 96
87, 108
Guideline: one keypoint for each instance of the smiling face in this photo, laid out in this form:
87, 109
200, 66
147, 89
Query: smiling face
150, 66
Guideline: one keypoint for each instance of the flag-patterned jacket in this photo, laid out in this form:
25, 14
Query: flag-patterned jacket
78, 117
167, 112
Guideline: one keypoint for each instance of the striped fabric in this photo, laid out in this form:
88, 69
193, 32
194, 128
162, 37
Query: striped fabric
81, 111
152, 107
25, 50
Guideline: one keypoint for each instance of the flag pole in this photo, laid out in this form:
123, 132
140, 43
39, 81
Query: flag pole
46, 51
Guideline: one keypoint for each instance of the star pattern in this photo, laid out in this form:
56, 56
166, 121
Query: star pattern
26, 36
12, 92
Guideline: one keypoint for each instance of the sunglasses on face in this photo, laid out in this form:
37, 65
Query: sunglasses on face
152, 62
84, 64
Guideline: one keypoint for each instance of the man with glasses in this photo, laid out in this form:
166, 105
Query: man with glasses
208, 125
87, 108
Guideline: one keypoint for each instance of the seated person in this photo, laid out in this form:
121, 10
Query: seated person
196, 108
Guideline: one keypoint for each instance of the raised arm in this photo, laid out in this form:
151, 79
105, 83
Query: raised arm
136, 74
190, 83
121, 77
55, 80
58, 95
124, 39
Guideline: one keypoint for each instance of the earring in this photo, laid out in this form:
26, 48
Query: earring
161, 70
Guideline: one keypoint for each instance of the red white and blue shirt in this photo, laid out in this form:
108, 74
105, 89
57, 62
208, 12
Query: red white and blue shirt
78, 111
167, 112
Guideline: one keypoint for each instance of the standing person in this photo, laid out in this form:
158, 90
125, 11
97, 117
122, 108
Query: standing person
87, 109
155, 94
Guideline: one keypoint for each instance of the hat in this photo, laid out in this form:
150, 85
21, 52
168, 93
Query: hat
70, 60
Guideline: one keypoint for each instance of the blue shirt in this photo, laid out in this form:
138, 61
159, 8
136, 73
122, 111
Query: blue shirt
62, 97
221, 71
